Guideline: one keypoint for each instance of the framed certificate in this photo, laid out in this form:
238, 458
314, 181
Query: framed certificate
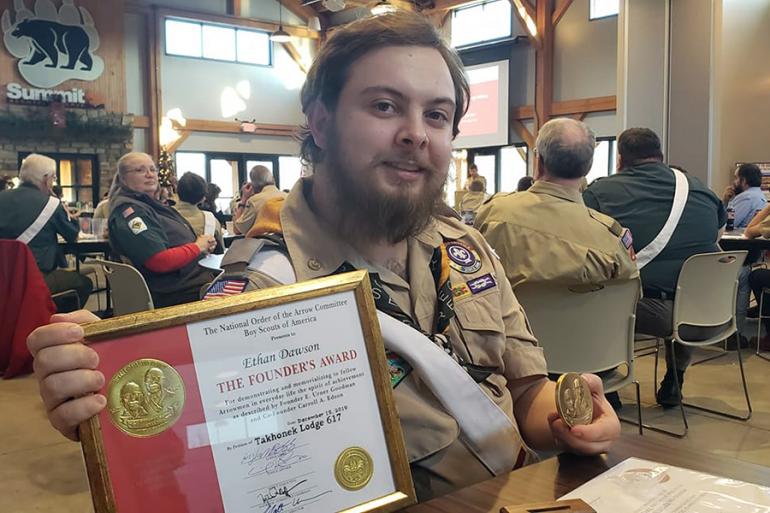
273, 401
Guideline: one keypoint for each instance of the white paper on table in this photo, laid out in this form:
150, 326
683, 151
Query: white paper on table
641, 486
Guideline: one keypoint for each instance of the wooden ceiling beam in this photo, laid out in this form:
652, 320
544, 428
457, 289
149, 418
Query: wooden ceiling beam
295, 55
303, 12
561, 8
523, 133
569, 107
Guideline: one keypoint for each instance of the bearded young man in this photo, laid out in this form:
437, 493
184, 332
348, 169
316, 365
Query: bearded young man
383, 101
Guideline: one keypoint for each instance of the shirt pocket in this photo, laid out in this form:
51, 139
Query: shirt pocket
480, 329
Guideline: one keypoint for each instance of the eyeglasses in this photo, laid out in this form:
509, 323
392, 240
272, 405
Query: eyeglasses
144, 169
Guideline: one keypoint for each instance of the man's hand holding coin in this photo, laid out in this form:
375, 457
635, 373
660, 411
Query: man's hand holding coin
582, 437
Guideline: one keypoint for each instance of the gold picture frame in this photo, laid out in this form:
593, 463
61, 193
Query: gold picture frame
357, 282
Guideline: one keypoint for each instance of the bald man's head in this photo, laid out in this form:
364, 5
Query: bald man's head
566, 147
260, 176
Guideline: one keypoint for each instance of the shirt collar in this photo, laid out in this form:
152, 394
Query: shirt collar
559, 191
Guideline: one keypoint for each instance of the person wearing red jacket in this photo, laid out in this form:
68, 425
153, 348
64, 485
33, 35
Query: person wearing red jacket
153, 236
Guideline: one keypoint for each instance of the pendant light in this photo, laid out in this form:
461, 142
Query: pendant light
280, 35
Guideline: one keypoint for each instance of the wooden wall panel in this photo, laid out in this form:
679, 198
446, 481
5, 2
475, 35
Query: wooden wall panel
110, 87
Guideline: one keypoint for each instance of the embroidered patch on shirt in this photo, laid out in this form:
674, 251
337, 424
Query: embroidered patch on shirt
398, 367
462, 257
482, 283
461, 291
137, 225
628, 242
128, 211
226, 287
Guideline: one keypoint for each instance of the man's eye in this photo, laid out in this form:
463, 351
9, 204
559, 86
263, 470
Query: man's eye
438, 115
384, 107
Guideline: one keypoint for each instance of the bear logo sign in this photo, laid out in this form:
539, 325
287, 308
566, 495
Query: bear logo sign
52, 45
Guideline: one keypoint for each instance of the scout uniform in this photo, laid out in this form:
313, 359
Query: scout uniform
196, 218
640, 199
21, 207
253, 206
141, 227
475, 310
547, 234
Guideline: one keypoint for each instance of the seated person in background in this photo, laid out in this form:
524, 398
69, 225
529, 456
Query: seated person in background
474, 176
525, 182
547, 234
335, 219
102, 210
191, 190
471, 202
6, 183
254, 194
209, 203
745, 195
32, 214
154, 237
640, 197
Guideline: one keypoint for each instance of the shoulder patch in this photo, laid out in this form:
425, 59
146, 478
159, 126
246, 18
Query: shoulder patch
128, 211
628, 243
137, 225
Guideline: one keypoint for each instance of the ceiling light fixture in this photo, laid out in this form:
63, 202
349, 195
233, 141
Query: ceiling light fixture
382, 7
280, 35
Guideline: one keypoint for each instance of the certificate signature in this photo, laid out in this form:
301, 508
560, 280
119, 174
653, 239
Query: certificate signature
289, 495
274, 458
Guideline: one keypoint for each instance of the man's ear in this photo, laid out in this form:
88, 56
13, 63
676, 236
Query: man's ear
318, 121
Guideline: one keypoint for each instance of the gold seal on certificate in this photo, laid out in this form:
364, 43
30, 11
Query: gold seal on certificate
145, 397
354, 468
573, 399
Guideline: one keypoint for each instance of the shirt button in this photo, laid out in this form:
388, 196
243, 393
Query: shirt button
313, 264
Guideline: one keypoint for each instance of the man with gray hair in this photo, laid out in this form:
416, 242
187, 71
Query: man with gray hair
34, 216
254, 194
547, 234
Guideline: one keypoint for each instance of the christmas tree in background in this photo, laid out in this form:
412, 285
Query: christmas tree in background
166, 171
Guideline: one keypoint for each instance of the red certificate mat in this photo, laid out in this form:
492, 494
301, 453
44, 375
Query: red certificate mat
161, 470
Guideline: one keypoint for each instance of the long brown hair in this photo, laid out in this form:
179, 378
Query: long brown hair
331, 68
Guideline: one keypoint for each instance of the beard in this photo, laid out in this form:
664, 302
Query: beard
365, 212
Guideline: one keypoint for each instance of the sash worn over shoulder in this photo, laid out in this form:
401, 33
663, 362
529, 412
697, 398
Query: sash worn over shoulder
42, 219
486, 430
658, 244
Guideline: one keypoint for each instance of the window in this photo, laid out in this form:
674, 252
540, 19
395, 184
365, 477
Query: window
603, 8
604, 159
291, 171
487, 165
231, 170
487, 21
513, 166
218, 42
78, 177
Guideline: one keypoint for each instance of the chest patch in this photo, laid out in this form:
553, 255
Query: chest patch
462, 257
137, 225
461, 291
482, 283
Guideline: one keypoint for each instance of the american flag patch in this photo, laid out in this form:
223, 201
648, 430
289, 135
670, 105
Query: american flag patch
226, 287
127, 212
627, 239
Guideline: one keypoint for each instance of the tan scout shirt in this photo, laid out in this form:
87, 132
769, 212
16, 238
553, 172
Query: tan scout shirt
490, 329
249, 214
195, 217
548, 234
